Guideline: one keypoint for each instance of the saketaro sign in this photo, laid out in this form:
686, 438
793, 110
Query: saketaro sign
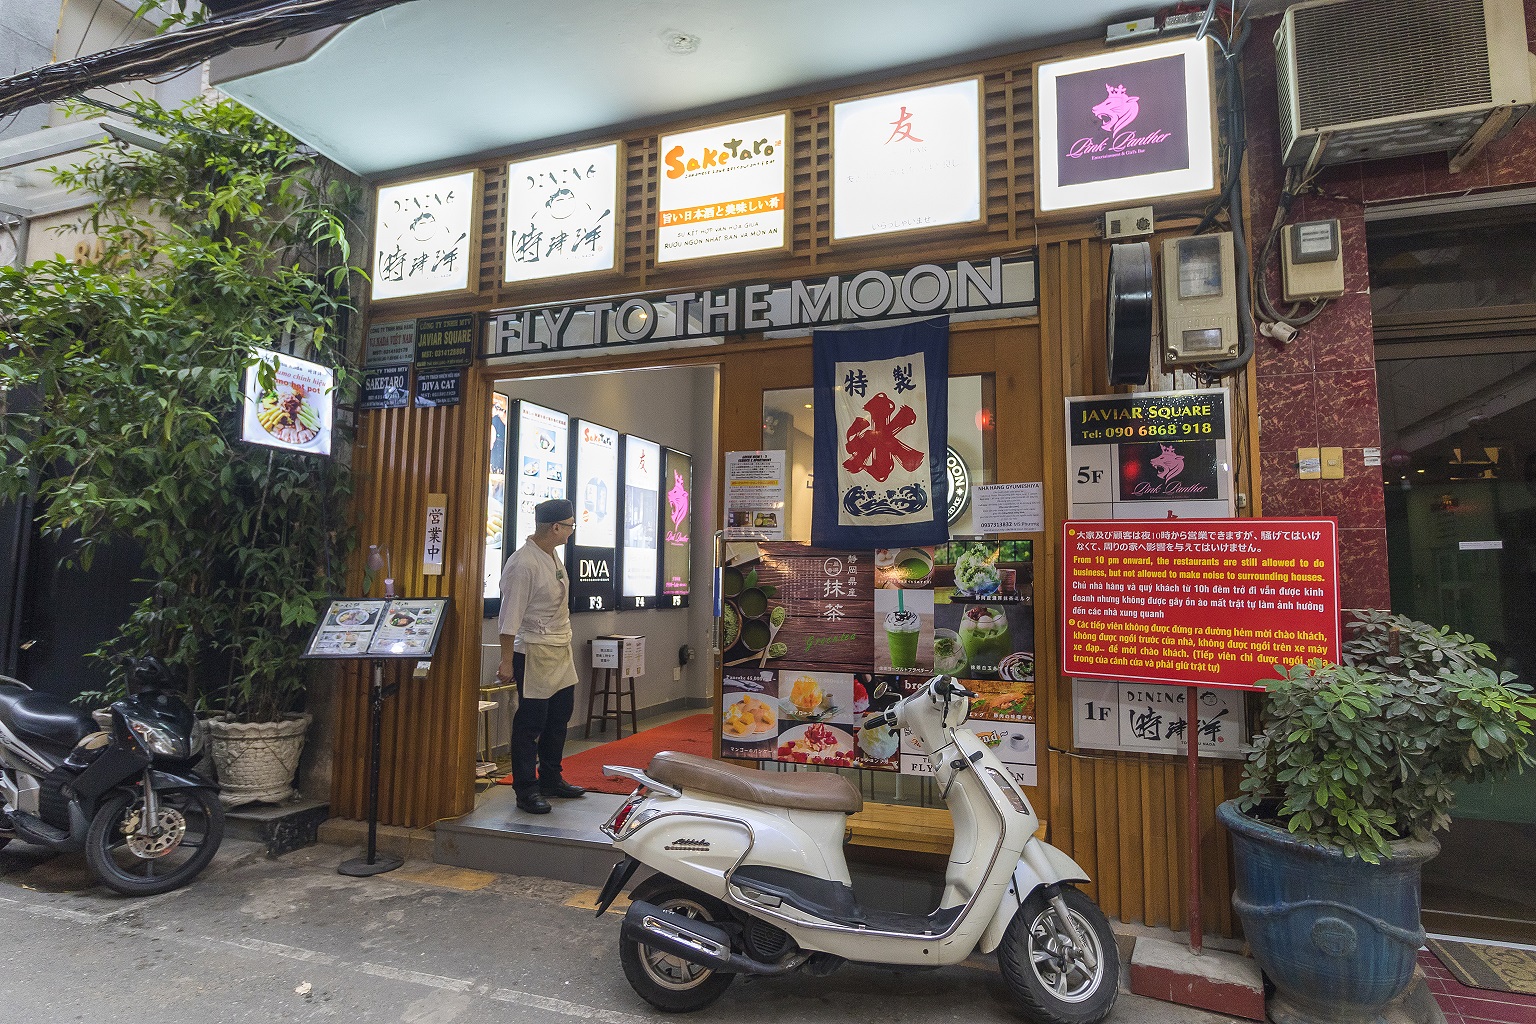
1197, 602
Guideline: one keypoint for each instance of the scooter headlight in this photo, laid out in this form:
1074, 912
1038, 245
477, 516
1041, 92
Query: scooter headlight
157, 740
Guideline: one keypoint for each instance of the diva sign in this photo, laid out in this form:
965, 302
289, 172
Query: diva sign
1125, 125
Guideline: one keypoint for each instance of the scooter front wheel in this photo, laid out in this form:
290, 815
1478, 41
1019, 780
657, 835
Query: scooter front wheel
1061, 977
667, 982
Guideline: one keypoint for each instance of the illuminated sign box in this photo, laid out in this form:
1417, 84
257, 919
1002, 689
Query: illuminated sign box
562, 214
677, 526
1124, 125
907, 160
295, 411
641, 487
722, 190
596, 496
424, 238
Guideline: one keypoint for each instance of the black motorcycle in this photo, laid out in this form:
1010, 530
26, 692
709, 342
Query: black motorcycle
127, 795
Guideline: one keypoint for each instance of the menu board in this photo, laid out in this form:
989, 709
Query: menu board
722, 190
641, 485
677, 525
496, 497
292, 408
595, 456
399, 628
816, 640
539, 461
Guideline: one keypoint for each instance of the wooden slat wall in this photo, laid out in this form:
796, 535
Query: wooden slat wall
1121, 816
401, 456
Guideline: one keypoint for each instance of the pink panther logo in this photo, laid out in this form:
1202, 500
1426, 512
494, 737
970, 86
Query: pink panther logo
677, 499
1118, 110
1169, 464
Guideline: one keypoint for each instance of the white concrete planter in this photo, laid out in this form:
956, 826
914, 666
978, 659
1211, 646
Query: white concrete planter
257, 761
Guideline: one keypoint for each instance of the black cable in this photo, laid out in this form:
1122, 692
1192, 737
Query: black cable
183, 49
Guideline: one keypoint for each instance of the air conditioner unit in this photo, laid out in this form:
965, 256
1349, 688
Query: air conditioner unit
1371, 79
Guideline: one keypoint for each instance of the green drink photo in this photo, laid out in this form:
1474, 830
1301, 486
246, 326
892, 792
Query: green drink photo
902, 629
986, 638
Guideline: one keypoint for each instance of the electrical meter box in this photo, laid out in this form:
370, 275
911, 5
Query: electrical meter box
1312, 260
1199, 299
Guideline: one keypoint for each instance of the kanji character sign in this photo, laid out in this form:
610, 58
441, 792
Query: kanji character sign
873, 443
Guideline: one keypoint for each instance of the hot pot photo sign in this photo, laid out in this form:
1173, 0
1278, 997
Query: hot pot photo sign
1197, 602
293, 410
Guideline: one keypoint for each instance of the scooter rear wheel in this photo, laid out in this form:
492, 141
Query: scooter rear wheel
669, 983
1045, 969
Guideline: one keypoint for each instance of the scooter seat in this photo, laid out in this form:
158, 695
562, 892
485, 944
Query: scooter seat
804, 791
43, 719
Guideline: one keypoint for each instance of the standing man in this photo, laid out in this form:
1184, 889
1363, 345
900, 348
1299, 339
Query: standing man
535, 627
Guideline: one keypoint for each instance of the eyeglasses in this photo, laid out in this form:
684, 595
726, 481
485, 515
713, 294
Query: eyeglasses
569, 524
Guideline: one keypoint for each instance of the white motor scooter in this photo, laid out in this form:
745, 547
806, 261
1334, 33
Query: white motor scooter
751, 878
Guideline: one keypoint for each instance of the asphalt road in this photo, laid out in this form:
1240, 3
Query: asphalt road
259, 940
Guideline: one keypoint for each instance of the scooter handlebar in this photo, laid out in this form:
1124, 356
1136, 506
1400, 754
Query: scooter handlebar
949, 686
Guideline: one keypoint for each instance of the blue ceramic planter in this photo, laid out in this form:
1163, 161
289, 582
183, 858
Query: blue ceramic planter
1337, 936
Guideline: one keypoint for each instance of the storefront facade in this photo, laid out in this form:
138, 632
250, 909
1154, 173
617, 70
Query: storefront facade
1118, 814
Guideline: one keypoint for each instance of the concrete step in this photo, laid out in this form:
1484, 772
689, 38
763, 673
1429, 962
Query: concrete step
1215, 980
281, 828
564, 844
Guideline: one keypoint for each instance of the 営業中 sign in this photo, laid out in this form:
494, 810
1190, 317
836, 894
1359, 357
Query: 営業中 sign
1126, 124
422, 235
907, 160
1197, 602
722, 190
562, 213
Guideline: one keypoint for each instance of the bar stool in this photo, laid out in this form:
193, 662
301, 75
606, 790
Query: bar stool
614, 691
486, 706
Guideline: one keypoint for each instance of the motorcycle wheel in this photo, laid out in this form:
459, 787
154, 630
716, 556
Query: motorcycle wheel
671, 984
1044, 969
121, 861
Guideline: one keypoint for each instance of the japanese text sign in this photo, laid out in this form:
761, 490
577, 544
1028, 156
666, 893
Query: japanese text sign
1197, 602
436, 533
422, 237
722, 190
907, 160
882, 417
1127, 124
561, 213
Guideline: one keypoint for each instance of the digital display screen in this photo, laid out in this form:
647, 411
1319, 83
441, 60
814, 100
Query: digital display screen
596, 496
642, 501
677, 528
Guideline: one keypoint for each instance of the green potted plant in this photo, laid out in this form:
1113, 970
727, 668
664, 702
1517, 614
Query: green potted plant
1350, 777
127, 379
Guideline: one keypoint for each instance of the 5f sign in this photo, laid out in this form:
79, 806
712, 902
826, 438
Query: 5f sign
1089, 475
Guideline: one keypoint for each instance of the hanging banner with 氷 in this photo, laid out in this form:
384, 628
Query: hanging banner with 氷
882, 416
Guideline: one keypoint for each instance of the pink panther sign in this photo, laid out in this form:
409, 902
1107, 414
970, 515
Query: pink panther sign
1122, 121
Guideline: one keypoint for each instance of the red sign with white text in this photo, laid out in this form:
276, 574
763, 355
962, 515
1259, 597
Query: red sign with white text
1197, 602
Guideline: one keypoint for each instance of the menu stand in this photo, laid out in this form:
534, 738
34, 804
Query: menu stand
402, 629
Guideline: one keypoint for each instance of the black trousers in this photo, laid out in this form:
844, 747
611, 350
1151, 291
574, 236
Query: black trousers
538, 733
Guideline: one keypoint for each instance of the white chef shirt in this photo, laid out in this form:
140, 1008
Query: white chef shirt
534, 599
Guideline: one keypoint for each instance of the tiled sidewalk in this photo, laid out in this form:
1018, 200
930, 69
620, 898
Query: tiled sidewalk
1464, 1005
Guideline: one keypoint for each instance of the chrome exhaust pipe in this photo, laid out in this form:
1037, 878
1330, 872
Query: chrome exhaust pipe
697, 942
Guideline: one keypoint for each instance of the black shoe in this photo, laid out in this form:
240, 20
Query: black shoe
561, 788
533, 803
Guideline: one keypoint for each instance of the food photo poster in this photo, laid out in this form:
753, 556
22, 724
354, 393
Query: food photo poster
289, 403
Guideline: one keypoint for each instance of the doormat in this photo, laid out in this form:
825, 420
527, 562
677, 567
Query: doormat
1495, 968
691, 735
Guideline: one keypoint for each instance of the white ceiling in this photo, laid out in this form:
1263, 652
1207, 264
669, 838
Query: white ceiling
435, 81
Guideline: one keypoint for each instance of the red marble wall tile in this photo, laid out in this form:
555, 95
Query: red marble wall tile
1288, 412
1283, 493
1357, 500
1347, 413
1363, 569
1342, 338
1438, 179
1274, 358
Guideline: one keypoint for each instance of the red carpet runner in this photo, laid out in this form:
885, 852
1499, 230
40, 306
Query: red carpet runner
689, 735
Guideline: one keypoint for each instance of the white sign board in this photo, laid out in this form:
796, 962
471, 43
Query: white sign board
435, 535
754, 496
391, 344
562, 214
536, 471
1008, 508
642, 512
722, 190
597, 480
421, 235
295, 412
907, 160
1137, 716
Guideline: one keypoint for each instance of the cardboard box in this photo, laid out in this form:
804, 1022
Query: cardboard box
625, 653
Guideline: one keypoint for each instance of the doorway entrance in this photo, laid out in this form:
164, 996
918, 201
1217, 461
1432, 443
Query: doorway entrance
1454, 304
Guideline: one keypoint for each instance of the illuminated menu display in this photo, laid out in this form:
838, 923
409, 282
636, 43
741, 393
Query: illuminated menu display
642, 494
496, 495
907, 160
538, 470
596, 495
677, 528
722, 190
